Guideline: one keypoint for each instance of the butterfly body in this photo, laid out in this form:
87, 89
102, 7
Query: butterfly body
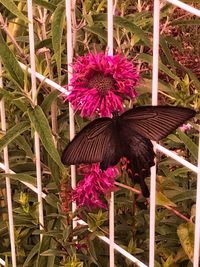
106, 140
115, 149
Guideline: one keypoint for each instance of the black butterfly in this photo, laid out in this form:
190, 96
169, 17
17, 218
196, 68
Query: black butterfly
106, 140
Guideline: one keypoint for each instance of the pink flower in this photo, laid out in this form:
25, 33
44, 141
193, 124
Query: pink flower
95, 184
100, 83
186, 127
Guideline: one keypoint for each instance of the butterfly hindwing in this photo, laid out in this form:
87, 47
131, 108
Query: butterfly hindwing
90, 144
155, 122
139, 152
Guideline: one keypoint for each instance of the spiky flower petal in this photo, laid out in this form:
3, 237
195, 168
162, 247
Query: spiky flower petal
100, 83
95, 184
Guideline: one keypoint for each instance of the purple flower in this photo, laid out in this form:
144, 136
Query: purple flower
100, 83
95, 184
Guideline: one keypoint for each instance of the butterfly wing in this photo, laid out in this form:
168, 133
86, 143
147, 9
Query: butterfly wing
155, 122
139, 151
90, 144
113, 152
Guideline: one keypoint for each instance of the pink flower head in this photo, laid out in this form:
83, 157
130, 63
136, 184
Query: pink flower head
95, 183
100, 83
186, 127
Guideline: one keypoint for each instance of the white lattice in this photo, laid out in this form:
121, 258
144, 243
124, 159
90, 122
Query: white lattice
34, 75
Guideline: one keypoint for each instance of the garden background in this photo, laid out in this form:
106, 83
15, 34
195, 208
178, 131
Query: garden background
179, 74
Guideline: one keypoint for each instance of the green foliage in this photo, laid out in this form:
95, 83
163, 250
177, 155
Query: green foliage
10, 63
10, 5
61, 245
186, 235
57, 34
13, 133
41, 125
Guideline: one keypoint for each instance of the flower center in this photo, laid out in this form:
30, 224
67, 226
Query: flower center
102, 83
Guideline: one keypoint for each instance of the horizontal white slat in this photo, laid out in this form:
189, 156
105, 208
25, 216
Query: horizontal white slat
33, 188
177, 158
186, 7
45, 80
119, 249
2, 262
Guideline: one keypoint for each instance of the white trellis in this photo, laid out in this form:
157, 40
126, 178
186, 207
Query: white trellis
34, 75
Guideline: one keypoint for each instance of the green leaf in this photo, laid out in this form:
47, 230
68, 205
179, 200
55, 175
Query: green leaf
46, 5
10, 63
51, 259
57, 34
173, 42
22, 177
166, 51
47, 43
162, 200
190, 145
10, 5
23, 144
133, 28
74, 264
55, 170
14, 132
52, 200
48, 100
186, 235
87, 5
41, 125
42, 261
125, 24
186, 195
32, 253
173, 138
52, 252
149, 59
98, 31
15, 99
182, 22
178, 171
169, 262
193, 77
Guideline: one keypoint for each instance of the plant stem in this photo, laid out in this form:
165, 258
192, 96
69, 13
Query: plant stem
166, 206
3, 26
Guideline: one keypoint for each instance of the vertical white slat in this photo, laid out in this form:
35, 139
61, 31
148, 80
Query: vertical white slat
156, 37
34, 97
111, 202
197, 215
8, 185
110, 26
71, 112
196, 12
156, 33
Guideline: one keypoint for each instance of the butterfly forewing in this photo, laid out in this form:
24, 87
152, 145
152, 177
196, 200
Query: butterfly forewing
155, 122
90, 144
